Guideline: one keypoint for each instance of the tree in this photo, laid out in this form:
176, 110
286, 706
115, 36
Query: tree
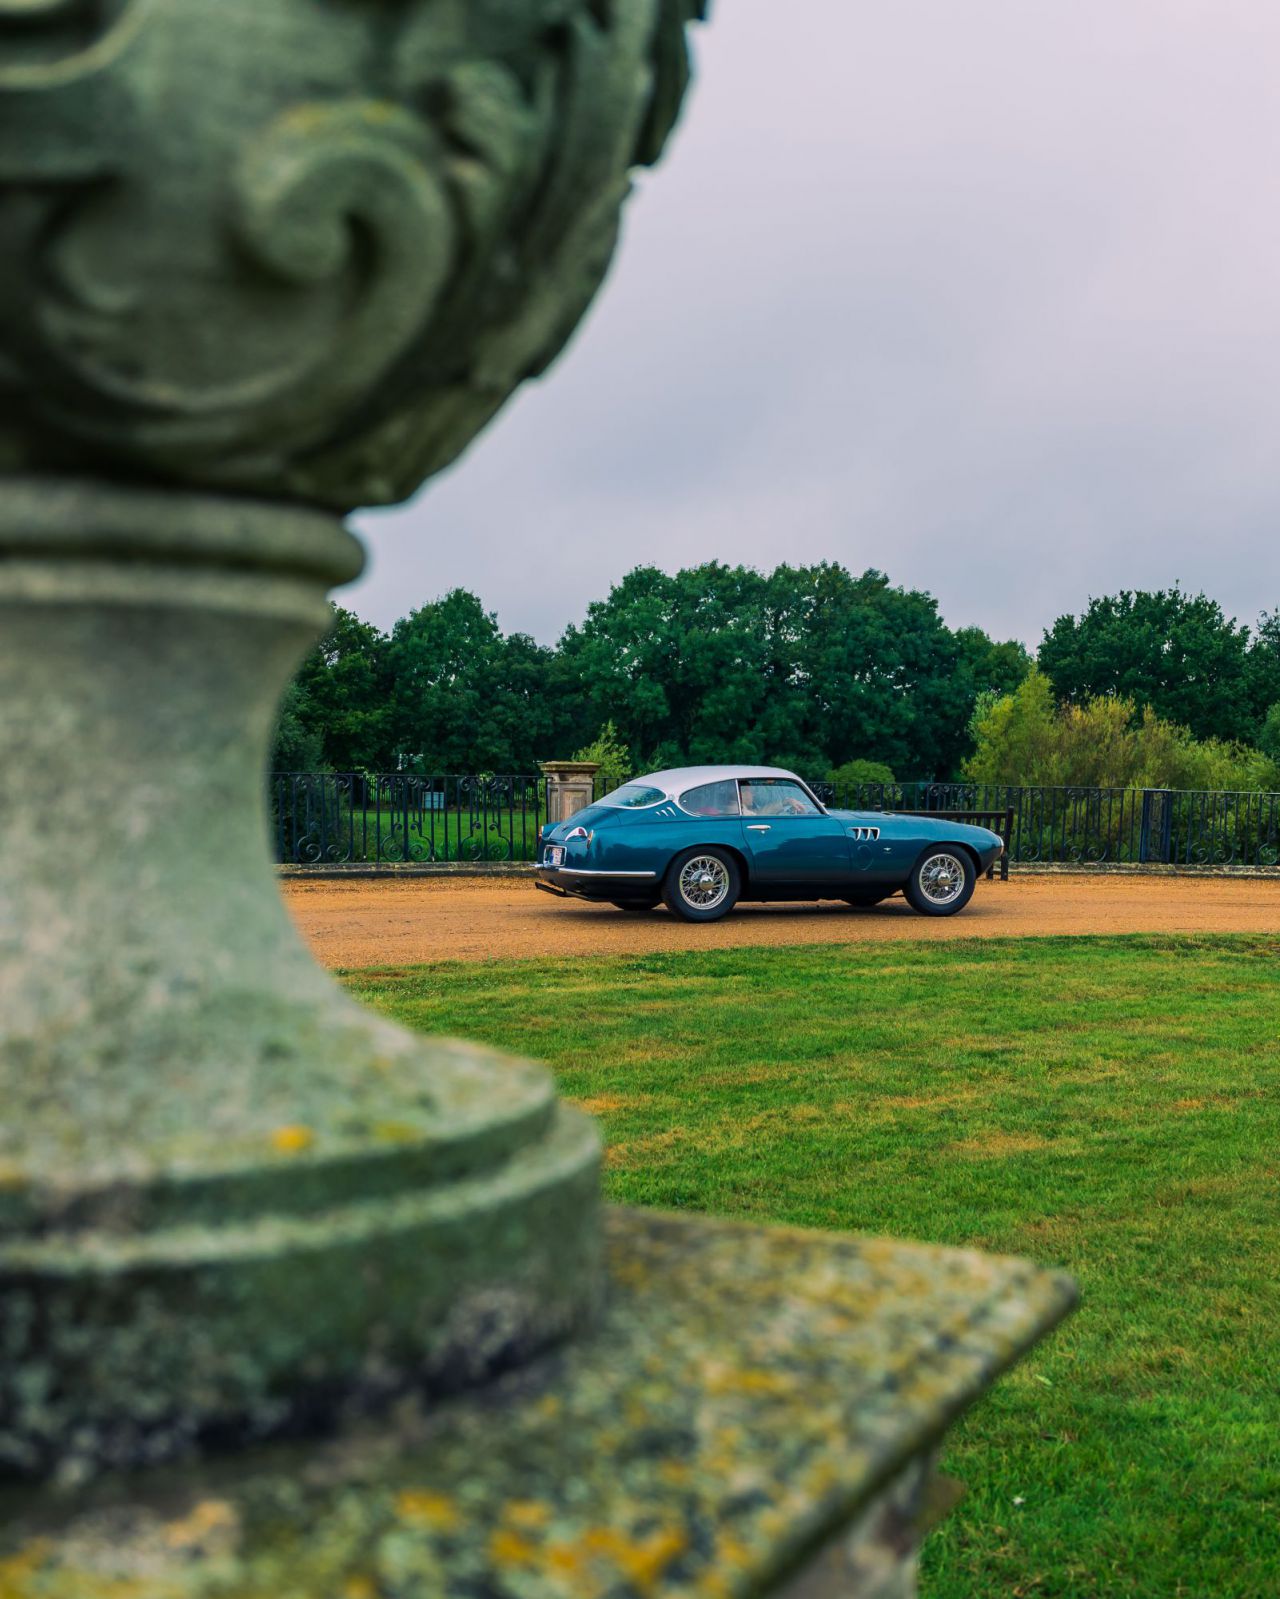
1264, 668
463, 697
679, 663
807, 667
1173, 651
990, 667
1269, 737
335, 712
298, 745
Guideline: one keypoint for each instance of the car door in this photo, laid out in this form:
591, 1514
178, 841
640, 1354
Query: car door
789, 838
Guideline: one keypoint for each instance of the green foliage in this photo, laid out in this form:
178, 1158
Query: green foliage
1173, 651
1269, 737
798, 667
342, 691
465, 697
1109, 1105
611, 755
1027, 738
855, 773
807, 667
298, 745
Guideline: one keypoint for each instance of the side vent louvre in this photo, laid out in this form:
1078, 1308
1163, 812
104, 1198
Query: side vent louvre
864, 834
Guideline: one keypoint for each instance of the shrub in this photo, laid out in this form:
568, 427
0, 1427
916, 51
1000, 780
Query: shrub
855, 773
1026, 738
611, 755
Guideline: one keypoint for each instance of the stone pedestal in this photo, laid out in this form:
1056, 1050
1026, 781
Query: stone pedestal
756, 1414
231, 1200
570, 787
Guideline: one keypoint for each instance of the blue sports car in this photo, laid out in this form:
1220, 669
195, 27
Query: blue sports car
703, 837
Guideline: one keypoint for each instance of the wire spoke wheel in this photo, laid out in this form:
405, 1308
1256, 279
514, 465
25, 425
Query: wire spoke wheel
704, 882
942, 879
942, 882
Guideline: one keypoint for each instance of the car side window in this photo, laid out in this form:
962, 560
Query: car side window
775, 796
711, 799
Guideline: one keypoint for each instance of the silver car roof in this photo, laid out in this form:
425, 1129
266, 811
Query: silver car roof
680, 778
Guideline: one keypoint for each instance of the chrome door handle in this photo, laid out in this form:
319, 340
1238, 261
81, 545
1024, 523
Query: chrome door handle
757, 827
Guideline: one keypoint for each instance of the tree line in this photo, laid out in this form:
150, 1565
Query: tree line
808, 667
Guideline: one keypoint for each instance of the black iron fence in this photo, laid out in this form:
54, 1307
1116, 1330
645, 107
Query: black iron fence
397, 818
1098, 826
358, 818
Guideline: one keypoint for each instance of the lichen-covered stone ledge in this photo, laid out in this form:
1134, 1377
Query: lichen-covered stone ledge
751, 1395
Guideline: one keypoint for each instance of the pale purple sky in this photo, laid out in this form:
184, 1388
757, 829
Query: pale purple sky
986, 295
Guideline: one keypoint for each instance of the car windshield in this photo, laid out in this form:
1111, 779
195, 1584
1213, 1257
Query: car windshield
631, 796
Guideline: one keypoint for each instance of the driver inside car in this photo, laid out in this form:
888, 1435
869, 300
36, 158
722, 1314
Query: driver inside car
769, 799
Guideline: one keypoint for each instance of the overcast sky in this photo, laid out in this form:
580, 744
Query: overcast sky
984, 294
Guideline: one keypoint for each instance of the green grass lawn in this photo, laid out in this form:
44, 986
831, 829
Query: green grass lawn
1107, 1104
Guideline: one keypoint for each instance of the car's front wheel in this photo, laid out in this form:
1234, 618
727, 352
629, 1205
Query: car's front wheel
702, 885
941, 882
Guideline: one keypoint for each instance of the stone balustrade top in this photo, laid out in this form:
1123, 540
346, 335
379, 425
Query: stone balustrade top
748, 1394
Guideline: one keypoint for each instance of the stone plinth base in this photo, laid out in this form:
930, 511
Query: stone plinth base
755, 1414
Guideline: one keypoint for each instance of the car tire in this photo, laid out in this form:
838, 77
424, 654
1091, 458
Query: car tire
702, 885
864, 902
941, 881
635, 905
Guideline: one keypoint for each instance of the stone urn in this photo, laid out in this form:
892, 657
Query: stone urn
261, 262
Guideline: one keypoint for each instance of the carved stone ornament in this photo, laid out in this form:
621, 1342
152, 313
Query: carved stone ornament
306, 247
254, 253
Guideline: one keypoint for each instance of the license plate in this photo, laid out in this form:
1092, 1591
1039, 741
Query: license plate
554, 855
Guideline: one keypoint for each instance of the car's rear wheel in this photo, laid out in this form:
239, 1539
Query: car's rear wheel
635, 904
941, 881
702, 885
868, 898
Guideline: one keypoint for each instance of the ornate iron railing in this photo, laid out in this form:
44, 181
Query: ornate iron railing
389, 818
399, 818
1099, 826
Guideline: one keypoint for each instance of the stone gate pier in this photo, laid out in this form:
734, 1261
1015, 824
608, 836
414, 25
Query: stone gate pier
570, 787
294, 1303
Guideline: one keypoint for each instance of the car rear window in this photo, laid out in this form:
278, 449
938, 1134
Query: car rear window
631, 796
711, 799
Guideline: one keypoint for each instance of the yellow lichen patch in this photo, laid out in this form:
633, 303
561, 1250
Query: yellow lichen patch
212, 1523
642, 1560
422, 1508
397, 1132
292, 1140
566, 1560
359, 1588
529, 1514
11, 1176
732, 1380
17, 1570
507, 1548
731, 1551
